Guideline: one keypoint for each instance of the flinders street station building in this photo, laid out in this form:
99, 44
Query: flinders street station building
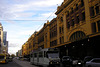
75, 31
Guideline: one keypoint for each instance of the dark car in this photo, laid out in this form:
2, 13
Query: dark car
87, 58
77, 63
66, 61
95, 62
10, 59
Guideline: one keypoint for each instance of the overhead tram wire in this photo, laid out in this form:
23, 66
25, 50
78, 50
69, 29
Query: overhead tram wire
33, 20
22, 20
30, 20
46, 19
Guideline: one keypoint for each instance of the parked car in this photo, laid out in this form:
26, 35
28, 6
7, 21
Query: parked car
66, 61
77, 62
95, 62
17, 58
20, 58
10, 59
87, 58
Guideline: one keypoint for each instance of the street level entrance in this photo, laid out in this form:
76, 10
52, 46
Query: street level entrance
89, 46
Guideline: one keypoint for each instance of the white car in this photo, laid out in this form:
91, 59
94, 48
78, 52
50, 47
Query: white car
95, 62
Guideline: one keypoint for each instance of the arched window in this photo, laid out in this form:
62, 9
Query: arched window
77, 35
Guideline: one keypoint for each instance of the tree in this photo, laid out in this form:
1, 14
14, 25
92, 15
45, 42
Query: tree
12, 55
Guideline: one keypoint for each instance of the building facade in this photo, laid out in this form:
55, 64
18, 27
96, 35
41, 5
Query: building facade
30, 45
75, 30
4, 37
3, 40
77, 22
53, 32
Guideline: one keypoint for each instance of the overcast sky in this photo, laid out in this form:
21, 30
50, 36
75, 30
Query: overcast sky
18, 32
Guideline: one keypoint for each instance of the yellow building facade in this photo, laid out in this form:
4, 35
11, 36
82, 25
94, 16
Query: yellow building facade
78, 21
76, 26
30, 45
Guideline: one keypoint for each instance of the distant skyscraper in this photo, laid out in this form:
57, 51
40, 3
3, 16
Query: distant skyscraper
5, 41
1, 38
4, 37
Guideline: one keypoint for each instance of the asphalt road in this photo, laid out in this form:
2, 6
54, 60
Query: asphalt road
10, 64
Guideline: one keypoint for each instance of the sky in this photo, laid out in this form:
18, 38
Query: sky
21, 18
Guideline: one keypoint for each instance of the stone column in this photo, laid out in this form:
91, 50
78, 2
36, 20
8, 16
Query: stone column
87, 14
65, 28
58, 21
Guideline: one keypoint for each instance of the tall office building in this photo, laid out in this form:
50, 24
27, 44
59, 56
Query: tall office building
1, 38
5, 41
4, 37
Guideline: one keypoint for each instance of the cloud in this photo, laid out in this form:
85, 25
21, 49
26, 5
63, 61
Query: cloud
47, 15
13, 45
18, 38
18, 32
13, 50
22, 9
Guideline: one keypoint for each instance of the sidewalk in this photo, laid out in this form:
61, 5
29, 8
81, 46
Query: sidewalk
23, 63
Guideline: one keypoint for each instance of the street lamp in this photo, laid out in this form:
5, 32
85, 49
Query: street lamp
88, 39
82, 44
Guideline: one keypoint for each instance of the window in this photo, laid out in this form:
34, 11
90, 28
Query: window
68, 25
29, 45
78, 19
98, 23
31, 55
60, 40
50, 34
97, 9
92, 11
76, 6
77, 35
96, 60
50, 44
33, 45
72, 22
83, 16
59, 29
61, 19
55, 42
35, 54
40, 54
82, 3
45, 54
55, 33
67, 14
94, 27
71, 10
62, 29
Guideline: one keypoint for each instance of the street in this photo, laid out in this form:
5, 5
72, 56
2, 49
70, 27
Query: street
10, 64
17, 63
23, 63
